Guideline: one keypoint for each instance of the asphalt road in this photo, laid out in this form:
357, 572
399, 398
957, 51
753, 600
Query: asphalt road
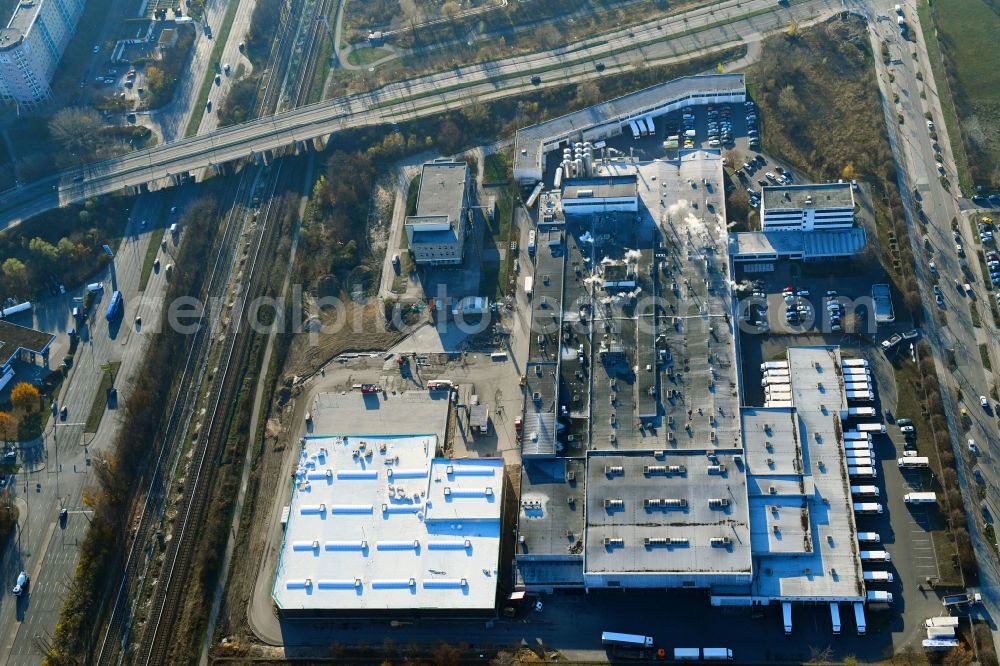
57, 470
699, 30
915, 156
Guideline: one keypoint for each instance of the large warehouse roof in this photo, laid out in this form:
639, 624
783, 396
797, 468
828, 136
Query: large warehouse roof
378, 524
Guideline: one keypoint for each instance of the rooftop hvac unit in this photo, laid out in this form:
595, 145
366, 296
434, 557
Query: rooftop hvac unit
718, 502
738, 459
676, 469
659, 453
571, 475
488, 492
613, 541
717, 469
670, 436
657, 541
654, 469
720, 542
713, 436
570, 500
614, 470
447, 491
772, 490
612, 438
614, 504
770, 462
774, 508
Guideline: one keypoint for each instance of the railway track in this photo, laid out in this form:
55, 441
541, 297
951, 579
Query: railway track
167, 603
138, 558
168, 598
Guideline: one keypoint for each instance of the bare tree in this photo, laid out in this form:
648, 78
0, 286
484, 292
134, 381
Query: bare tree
78, 132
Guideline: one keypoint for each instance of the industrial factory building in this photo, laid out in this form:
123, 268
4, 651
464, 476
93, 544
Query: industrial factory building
611, 118
436, 234
377, 525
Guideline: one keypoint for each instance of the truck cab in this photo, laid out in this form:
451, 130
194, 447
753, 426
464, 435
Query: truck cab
21, 584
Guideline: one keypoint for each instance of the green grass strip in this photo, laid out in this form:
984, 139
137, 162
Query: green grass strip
951, 120
100, 403
206, 86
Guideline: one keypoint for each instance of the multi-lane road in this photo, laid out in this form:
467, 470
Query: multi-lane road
56, 471
683, 35
915, 151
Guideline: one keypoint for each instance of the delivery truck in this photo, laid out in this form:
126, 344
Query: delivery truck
877, 577
869, 537
865, 491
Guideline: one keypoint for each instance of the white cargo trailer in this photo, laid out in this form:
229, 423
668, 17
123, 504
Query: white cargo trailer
869, 537
859, 618
942, 621
920, 498
913, 462
879, 597
878, 577
874, 556
865, 491
835, 617
854, 363
867, 507
871, 427
717, 654
862, 472
857, 434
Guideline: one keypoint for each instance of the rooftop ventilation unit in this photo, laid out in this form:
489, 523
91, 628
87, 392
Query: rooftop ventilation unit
718, 502
720, 542
717, 469
614, 504
654, 469
614, 470
613, 541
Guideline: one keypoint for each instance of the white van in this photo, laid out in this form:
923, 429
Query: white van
95, 287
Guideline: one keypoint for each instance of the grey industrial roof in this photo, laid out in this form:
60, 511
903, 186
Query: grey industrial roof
10, 37
699, 385
14, 338
599, 187
807, 244
635, 477
550, 522
819, 195
817, 528
440, 198
530, 141
442, 188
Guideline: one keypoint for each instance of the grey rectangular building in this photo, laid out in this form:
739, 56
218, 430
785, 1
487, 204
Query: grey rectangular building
436, 233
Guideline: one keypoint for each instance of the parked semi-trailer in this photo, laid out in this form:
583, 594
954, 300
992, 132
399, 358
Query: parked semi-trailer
869, 537
871, 427
865, 491
859, 618
874, 556
862, 472
626, 640
857, 386
853, 435
774, 365
877, 577
942, 621
879, 597
920, 498
854, 363
913, 462
867, 507
854, 412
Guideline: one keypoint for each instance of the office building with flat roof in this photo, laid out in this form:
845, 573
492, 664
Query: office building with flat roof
31, 46
820, 206
436, 233
377, 526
